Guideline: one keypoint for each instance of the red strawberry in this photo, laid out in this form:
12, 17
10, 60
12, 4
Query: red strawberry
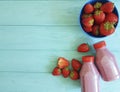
88, 22
99, 16
106, 28
56, 71
96, 30
87, 29
83, 47
65, 72
97, 5
107, 7
86, 16
62, 62
74, 75
88, 8
111, 17
76, 65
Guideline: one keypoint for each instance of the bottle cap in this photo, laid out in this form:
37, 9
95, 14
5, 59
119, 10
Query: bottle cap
88, 58
99, 45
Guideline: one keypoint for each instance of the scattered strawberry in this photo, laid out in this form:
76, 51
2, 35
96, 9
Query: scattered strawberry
87, 29
83, 47
99, 16
65, 72
97, 5
107, 7
56, 71
96, 30
88, 8
111, 17
106, 28
74, 75
62, 62
76, 65
88, 22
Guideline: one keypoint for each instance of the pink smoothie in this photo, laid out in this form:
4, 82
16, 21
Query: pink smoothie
89, 75
106, 62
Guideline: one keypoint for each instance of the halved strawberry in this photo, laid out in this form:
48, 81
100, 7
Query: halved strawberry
88, 22
76, 65
111, 17
99, 16
107, 7
106, 28
83, 47
74, 75
65, 72
88, 8
62, 62
56, 71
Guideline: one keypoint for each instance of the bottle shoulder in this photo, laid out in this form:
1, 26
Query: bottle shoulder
88, 68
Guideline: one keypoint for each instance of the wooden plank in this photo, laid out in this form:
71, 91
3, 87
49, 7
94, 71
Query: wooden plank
34, 61
37, 61
40, 12
30, 82
49, 38
41, 37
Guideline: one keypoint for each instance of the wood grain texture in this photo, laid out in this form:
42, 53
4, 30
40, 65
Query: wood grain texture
49, 38
34, 61
30, 82
41, 12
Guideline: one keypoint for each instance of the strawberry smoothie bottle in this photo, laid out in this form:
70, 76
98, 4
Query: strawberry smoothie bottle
89, 75
106, 62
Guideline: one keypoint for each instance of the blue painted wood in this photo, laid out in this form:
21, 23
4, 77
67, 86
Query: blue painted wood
40, 12
33, 34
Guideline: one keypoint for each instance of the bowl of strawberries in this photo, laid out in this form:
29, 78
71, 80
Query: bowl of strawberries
99, 18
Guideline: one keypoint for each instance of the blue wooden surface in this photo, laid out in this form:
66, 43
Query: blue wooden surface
33, 34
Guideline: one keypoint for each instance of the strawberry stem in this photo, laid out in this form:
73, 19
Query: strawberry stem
108, 26
97, 5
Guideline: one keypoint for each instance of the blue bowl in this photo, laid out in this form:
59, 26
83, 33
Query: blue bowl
93, 2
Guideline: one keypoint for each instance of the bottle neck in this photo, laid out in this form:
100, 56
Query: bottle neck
91, 62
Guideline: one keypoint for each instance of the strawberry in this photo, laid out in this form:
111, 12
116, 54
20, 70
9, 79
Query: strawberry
83, 47
62, 62
65, 72
76, 65
99, 16
107, 7
96, 30
56, 71
86, 15
74, 75
88, 8
106, 28
88, 22
87, 29
97, 5
111, 17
